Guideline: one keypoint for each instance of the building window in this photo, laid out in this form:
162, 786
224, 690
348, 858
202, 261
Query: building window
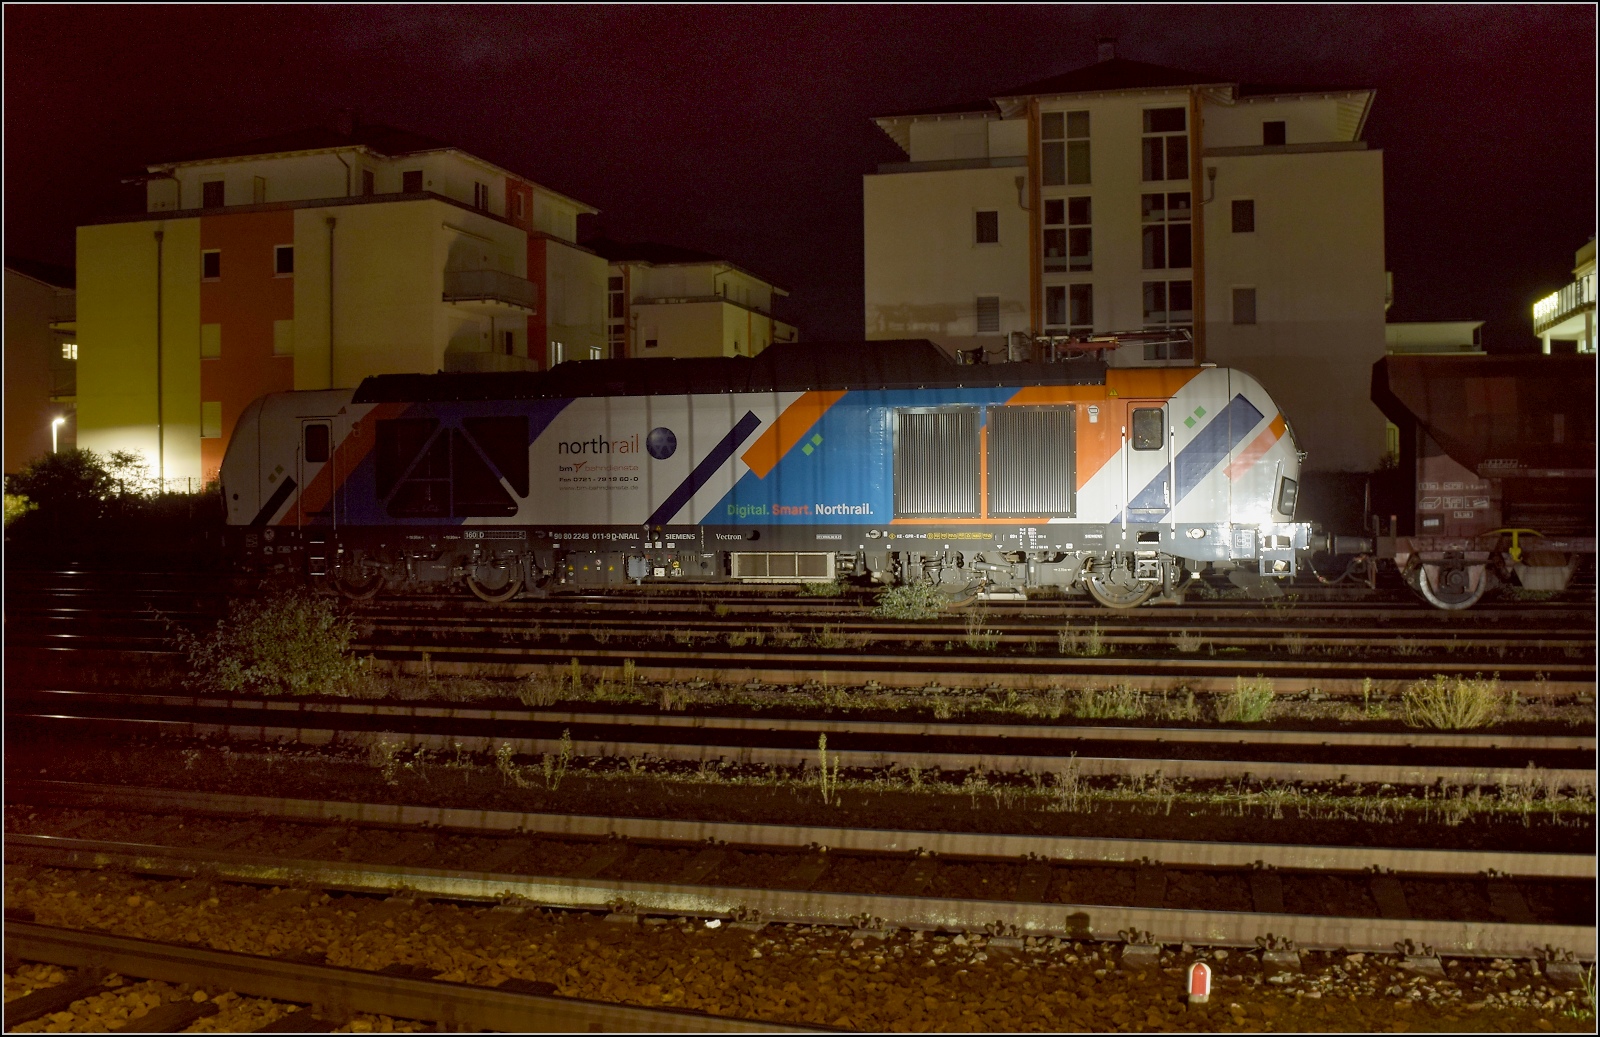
1068, 243
283, 260
1244, 305
1069, 308
1167, 230
618, 303
283, 338
211, 265
1064, 148
987, 231
211, 419
210, 341
522, 204
509, 343
1166, 144
1244, 216
258, 192
988, 310
369, 183
480, 196
558, 352
211, 194
1169, 306
1274, 133
69, 351
596, 353
411, 181
651, 343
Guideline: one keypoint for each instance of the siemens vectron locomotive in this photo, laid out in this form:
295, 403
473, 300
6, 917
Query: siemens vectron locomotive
883, 462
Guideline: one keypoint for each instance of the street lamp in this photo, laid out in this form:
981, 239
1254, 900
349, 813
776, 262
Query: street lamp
55, 427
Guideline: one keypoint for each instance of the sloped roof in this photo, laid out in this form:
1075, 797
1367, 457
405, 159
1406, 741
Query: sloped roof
385, 140
45, 273
1114, 74
648, 252
984, 106
1287, 89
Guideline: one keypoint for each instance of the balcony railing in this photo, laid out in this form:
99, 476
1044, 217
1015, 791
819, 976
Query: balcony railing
1558, 306
490, 286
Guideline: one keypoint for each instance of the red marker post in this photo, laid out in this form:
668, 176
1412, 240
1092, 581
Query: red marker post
1199, 983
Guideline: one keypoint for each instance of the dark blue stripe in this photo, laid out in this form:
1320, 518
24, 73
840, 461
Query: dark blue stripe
274, 502
705, 469
1203, 453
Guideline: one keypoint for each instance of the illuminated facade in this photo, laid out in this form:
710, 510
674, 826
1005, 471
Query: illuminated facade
664, 301
1132, 197
1568, 315
41, 348
313, 260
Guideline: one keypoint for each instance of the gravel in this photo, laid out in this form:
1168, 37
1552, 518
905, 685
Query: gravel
818, 975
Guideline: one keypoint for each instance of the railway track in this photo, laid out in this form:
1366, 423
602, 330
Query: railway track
514, 1006
1218, 754
875, 880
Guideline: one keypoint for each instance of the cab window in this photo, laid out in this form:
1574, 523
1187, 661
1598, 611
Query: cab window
1149, 428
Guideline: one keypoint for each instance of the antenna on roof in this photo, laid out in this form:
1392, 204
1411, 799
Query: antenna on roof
1108, 48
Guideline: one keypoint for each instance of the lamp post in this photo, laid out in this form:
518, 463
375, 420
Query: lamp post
55, 427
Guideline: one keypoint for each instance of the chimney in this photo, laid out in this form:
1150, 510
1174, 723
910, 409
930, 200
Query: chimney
1108, 48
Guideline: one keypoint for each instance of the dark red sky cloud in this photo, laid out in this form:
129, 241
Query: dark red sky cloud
744, 130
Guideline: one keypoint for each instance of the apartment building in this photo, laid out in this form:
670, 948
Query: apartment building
1567, 315
311, 260
666, 301
1244, 224
41, 350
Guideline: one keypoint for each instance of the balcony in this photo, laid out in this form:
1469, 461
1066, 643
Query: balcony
1560, 315
491, 293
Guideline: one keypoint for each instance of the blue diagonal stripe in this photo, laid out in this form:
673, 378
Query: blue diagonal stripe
705, 469
1204, 452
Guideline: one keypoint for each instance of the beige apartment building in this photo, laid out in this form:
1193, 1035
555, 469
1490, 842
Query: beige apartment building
666, 301
1243, 222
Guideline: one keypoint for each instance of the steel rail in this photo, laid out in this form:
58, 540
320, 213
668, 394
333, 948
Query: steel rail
875, 840
812, 907
868, 759
927, 673
1216, 734
456, 1006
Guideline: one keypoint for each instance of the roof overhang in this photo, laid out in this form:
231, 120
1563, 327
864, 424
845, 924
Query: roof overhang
898, 127
1016, 106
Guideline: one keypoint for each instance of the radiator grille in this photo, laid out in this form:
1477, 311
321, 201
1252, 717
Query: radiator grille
1032, 462
783, 566
936, 464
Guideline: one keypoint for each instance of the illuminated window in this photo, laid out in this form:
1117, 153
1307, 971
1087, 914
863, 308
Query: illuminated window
69, 351
1165, 144
211, 265
211, 196
411, 181
558, 352
283, 260
1274, 133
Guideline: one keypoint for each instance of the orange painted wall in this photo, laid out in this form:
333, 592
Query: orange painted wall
245, 301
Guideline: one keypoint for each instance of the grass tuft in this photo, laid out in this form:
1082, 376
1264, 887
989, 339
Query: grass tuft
1249, 702
1453, 703
292, 642
1123, 702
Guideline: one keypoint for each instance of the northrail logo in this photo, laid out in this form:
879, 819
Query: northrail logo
661, 443
753, 510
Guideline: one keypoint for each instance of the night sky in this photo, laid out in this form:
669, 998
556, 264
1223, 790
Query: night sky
744, 131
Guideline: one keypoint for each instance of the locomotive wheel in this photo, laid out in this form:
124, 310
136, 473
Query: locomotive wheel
494, 594
1117, 589
1452, 587
358, 590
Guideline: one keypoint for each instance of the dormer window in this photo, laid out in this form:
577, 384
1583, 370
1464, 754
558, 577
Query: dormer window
211, 196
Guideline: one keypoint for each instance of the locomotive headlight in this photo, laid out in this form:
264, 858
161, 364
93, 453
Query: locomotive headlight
1196, 533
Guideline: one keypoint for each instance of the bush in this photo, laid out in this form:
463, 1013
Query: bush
291, 641
1453, 703
1250, 701
67, 488
831, 589
16, 507
911, 601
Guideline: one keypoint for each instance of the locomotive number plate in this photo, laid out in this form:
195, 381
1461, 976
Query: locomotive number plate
495, 534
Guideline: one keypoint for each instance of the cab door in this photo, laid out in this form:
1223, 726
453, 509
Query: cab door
1147, 462
314, 503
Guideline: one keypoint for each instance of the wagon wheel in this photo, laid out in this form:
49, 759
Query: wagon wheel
496, 586
1452, 587
360, 590
1117, 589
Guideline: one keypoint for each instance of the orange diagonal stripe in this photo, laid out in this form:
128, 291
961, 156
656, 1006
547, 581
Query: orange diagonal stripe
789, 429
1258, 446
